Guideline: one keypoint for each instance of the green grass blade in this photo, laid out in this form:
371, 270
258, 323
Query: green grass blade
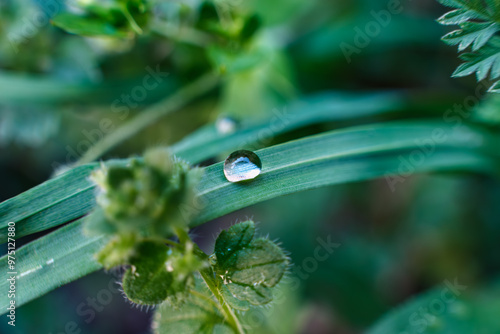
354, 154
49, 262
52, 203
70, 195
208, 142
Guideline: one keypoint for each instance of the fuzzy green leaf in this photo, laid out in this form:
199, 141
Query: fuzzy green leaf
249, 267
254, 295
147, 281
232, 300
158, 272
261, 262
231, 241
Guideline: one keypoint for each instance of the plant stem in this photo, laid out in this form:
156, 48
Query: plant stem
131, 20
208, 276
150, 115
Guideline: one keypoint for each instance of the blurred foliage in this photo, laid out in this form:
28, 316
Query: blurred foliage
57, 87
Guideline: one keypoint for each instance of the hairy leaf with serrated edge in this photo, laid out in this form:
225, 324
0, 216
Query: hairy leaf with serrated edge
147, 281
261, 262
232, 240
249, 267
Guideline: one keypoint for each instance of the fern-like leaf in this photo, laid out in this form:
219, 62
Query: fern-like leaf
479, 22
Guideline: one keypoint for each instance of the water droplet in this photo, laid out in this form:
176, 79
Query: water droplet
226, 125
242, 165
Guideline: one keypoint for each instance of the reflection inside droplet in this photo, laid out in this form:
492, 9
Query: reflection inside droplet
242, 165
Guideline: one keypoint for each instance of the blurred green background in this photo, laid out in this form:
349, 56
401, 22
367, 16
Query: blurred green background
56, 88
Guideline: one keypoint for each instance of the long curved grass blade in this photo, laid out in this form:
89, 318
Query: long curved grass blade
70, 195
354, 154
47, 263
327, 107
52, 203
